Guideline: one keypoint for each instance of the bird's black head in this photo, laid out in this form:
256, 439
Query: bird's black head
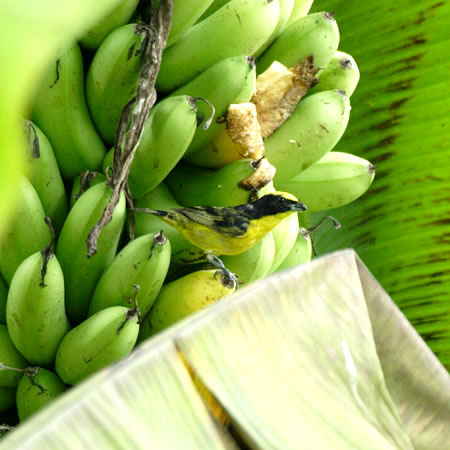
274, 203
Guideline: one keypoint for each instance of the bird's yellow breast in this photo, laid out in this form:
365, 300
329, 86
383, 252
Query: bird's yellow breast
213, 241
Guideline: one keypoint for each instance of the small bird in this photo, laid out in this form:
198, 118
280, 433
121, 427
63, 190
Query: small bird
219, 230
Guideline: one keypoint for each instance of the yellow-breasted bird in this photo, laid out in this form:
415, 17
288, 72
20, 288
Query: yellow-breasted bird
219, 230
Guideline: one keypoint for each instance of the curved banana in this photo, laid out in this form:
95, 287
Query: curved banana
315, 34
314, 128
168, 131
285, 12
284, 236
184, 15
215, 5
231, 80
81, 273
182, 297
253, 264
102, 339
160, 198
113, 76
10, 358
62, 114
238, 28
120, 15
83, 182
300, 253
35, 311
37, 390
45, 176
300, 9
144, 262
341, 73
3, 297
333, 181
28, 231
192, 186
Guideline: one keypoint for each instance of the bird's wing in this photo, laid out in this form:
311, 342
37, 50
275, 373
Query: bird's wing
227, 221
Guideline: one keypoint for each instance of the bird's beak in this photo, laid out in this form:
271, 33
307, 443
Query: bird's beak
299, 206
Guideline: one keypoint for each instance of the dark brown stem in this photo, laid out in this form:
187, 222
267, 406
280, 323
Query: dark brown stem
134, 115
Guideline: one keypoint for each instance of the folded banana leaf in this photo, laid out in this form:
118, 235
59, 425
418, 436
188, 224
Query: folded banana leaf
400, 121
314, 357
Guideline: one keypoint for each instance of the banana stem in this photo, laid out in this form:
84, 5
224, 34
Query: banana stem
134, 115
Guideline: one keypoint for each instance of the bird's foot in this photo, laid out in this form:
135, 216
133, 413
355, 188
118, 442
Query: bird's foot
229, 279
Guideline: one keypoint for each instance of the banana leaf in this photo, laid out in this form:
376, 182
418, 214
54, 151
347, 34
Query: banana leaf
400, 121
315, 357
30, 34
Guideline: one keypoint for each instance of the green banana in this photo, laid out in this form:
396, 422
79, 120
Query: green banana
100, 340
300, 9
7, 398
143, 262
61, 112
300, 253
35, 312
240, 27
341, 73
184, 15
28, 231
45, 176
284, 236
36, 390
120, 15
215, 5
333, 181
315, 34
89, 179
3, 297
113, 76
231, 80
193, 186
182, 297
160, 198
285, 12
253, 264
168, 131
80, 272
10, 358
314, 128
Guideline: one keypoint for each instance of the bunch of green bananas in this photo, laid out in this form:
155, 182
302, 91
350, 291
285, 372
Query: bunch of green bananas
69, 315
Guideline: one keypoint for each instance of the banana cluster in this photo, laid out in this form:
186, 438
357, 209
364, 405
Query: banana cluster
235, 75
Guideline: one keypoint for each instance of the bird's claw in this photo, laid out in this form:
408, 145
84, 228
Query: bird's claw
228, 278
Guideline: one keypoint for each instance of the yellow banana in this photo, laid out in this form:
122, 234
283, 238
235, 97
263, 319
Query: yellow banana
182, 297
